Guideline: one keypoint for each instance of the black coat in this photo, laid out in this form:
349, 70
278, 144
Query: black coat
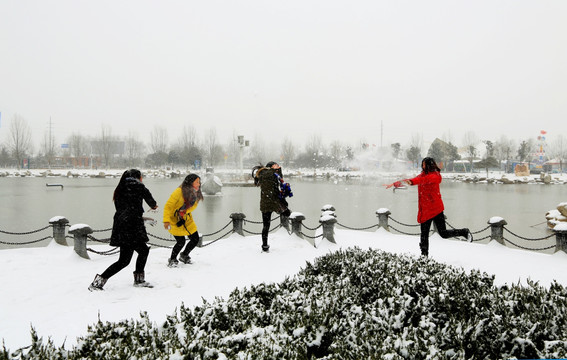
128, 227
269, 191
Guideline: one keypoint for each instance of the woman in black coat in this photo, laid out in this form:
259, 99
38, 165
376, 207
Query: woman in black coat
128, 229
272, 199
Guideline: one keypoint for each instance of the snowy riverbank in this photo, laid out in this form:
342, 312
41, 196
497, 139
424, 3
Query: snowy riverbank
47, 287
481, 177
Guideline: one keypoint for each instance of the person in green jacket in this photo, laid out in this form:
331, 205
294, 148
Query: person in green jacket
268, 178
178, 220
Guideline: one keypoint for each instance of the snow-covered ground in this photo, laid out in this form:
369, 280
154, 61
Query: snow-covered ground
47, 287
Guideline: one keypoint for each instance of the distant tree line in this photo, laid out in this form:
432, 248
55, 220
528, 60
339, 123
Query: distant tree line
189, 150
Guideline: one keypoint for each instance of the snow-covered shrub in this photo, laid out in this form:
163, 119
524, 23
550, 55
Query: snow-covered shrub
352, 304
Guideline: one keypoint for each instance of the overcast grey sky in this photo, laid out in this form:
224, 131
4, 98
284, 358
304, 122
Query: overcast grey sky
291, 68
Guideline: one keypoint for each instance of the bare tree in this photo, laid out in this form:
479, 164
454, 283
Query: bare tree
503, 148
134, 149
104, 144
20, 139
558, 150
470, 141
287, 151
336, 152
158, 140
315, 150
188, 146
78, 145
188, 137
396, 150
48, 147
413, 153
214, 150
258, 150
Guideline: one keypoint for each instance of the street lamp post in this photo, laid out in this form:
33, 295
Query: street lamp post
241, 144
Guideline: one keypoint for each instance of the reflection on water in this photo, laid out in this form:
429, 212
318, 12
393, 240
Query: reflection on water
28, 204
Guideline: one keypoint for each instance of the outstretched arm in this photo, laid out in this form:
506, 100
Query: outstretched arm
398, 184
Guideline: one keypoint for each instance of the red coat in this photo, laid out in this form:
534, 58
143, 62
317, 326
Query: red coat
429, 196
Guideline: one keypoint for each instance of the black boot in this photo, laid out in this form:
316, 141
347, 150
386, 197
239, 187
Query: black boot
139, 280
185, 258
265, 246
97, 283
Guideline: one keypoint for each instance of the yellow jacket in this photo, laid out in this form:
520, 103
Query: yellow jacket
174, 202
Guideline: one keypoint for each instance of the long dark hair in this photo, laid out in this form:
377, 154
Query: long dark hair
258, 167
190, 195
132, 173
430, 165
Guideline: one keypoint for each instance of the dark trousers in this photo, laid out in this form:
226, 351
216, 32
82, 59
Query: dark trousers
266, 220
180, 242
126, 253
439, 221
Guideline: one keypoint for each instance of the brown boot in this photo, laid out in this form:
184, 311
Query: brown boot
139, 280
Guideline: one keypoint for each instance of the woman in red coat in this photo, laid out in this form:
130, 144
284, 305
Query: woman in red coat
430, 205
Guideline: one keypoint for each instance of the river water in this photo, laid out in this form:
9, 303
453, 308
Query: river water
28, 204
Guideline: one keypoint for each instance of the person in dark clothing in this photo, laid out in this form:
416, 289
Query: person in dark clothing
128, 228
430, 204
272, 199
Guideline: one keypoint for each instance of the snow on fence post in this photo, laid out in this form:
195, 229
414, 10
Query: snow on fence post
80, 233
497, 227
328, 220
237, 223
560, 237
328, 207
296, 219
383, 215
59, 223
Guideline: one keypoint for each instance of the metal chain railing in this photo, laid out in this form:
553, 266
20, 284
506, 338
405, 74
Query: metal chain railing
104, 241
528, 239
401, 223
217, 239
474, 232
26, 233
216, 232
527, 248
116, 250
312, 229
259, 233
403, 232
357, 229
311, 237
26, 242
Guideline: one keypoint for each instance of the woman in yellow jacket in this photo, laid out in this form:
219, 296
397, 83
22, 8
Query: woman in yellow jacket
177, 218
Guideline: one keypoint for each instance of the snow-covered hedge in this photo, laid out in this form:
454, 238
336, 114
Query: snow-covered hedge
351, 304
